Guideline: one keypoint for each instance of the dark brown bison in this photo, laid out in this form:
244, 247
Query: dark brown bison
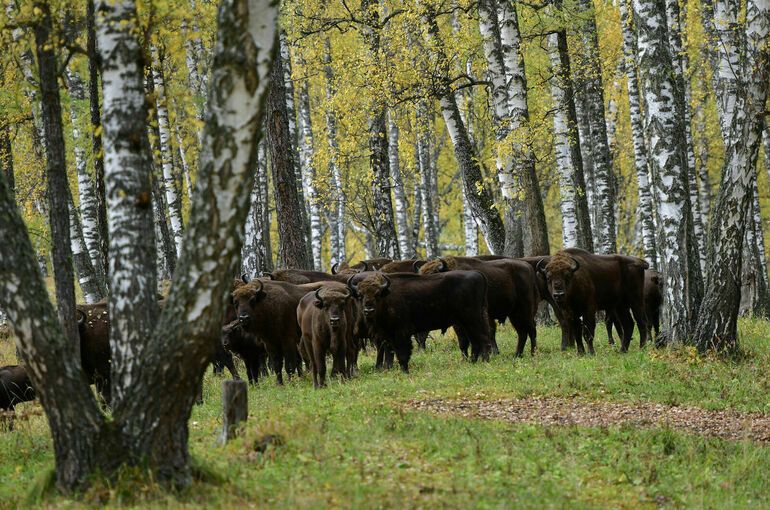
582, 283
302, 276
403, 266
15, 388
511, 293
653, 300
247, 347
399, 305
268, 311
327, 318
371, 264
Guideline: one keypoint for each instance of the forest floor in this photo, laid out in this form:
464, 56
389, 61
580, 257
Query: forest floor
646, 429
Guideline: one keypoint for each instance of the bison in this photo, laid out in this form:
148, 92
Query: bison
15, 387
302, 276
403, 266
327, 318
371, 264
511, 293
268, 311
582, 283
399, 305
247, 347
653, 300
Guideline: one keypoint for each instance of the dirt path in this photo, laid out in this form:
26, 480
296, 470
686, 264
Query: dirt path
552, 411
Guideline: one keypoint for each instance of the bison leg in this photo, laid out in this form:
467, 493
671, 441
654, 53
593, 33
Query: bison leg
421, 339
252, 370
462, 341
319, 361
589, 322
577, 331
276, 363
641, 322
628, 328
493, 337
404, 353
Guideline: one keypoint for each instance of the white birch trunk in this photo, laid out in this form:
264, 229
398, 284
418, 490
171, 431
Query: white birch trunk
641, 161
173, 200
426, 186
667, 157
402, 214
93, 291
337, 225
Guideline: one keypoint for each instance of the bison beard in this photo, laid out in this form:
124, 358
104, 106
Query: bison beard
399, 305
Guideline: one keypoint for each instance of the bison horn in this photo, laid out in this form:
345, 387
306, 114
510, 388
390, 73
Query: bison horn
352, 286
81, 317
541, 265
576, 266
245, 278
261, 286
334, 267
268, 275
417, 264
366, 265
385, 285
319, 298
444, 266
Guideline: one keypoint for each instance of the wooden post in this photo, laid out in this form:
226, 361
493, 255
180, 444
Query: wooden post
235, 407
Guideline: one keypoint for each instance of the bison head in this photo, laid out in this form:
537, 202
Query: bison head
333, 303
370, 291
558, 272
245, 299
233, 337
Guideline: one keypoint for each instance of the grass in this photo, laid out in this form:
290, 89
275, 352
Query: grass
356, 445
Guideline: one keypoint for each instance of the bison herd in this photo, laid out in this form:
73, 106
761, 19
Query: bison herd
291, 318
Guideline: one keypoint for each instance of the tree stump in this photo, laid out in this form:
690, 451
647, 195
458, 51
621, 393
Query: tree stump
235, 408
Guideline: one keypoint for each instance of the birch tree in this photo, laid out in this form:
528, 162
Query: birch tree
93, 289
148, 423
257, 249
424, 167
601, 161
641, 161
337, 224
717, 321
678, 260
399, 193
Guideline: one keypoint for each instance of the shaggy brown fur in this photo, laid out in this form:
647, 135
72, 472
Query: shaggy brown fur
438, 265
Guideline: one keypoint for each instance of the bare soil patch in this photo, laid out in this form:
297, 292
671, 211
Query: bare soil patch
559, 411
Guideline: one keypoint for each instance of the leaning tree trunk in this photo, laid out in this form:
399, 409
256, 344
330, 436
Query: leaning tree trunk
717, 321
292, 248
173, 198
56, 171
306, 146
601, 161
6, 157
682, 273
337, 214
479, 196
97, 155
641, 161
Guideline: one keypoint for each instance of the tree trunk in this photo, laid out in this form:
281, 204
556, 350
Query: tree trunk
56, 171
717, 321
676, 242
601, 161
257, 250
402, 213
97, 154
337, 225
86, 192
6, 158
430, 231
641, 161
306, 145
93, 289
292, 248
173, 198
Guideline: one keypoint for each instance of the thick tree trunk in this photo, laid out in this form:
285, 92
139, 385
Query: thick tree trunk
676, 246
641, 161
173, 198
306, 145
717, 321
56, 171
6, 158
292, 248
97, 154
337, 224
601, 161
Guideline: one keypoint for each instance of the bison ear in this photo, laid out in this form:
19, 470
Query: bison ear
318, 303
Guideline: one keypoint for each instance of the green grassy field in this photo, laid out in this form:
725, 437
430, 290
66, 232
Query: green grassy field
358, 444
